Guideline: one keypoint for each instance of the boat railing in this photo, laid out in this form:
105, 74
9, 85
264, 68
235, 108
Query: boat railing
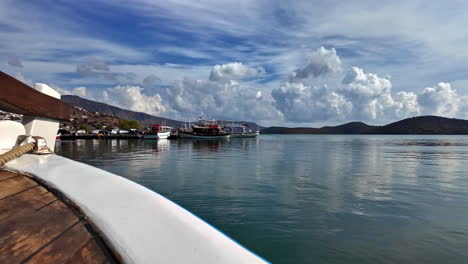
41, 107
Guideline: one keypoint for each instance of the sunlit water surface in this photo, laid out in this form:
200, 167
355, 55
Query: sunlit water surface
310, 198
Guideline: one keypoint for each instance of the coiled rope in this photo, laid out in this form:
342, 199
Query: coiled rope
16, 152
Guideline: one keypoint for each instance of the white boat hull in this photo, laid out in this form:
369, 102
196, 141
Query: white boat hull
245, 135
159, 135
135, 220
163, 135
192, 136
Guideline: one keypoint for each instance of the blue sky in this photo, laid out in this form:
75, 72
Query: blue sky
294, 63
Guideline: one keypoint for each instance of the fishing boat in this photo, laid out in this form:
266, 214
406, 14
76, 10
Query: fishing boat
205, 129
57, 210
158, 132
241, 131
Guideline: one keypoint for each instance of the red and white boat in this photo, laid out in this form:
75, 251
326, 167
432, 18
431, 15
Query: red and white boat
205, 129
158, 132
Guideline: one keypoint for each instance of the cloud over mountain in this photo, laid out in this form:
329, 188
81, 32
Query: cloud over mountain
303, 97
372, 98
440, 100
359, 96
131, 97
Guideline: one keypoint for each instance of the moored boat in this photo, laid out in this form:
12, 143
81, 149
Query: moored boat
241, 131
245, 134
158, 132
205, 129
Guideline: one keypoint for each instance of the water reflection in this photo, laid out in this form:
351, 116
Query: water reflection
319, 198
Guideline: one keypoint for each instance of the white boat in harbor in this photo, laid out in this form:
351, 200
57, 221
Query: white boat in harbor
241, 131
158, 132
245, 134
133, 223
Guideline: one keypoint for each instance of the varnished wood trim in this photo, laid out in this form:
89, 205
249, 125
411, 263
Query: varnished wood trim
18, 97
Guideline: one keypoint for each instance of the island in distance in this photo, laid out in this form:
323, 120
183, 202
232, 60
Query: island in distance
420, 125
416, 125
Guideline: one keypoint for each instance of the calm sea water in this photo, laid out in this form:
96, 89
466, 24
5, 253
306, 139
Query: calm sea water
310, 198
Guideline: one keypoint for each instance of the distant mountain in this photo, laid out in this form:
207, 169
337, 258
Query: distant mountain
416, 125
143, 118
425, 125
348, 128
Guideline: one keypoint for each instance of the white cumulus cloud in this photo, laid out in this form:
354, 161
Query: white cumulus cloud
302, 103
360, 84
372, 99
320, 62
360, 96
234, 71
440, 100
406, 104
132, 98
221, 100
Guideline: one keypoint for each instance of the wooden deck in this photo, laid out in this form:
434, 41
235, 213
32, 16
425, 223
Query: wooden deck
37, 226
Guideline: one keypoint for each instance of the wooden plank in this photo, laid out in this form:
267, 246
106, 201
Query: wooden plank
5, 175
17, 97
64, 248
35, 227
15, 185
22, 236
23, 203
90, 253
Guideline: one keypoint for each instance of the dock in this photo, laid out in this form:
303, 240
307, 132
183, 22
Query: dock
99, 136
38, 225
111, 136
